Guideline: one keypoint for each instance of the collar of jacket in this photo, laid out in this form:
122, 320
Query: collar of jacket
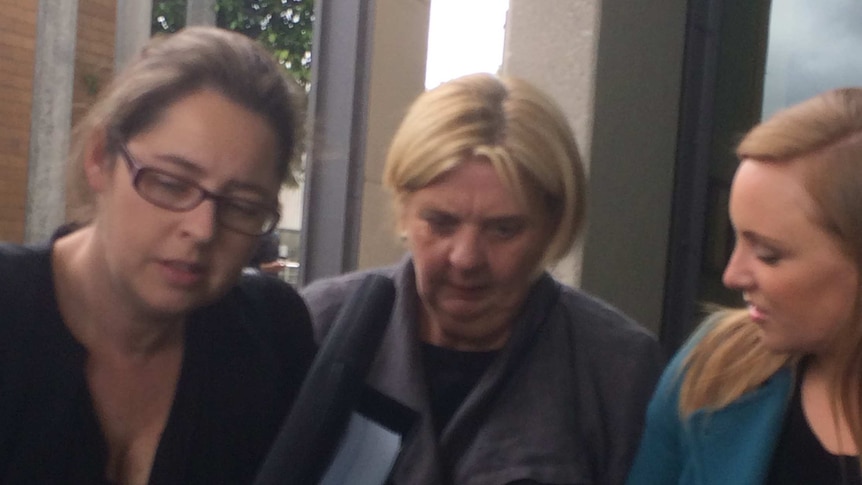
735, 444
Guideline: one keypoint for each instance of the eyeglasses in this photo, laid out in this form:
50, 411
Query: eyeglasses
168, 191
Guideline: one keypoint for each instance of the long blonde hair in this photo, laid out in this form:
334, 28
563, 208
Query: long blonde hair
824, 135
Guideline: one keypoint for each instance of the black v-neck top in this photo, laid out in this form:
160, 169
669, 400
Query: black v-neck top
800, 458
244, 359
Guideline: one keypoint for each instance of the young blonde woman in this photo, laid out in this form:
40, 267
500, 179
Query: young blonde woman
771, 394
131, 350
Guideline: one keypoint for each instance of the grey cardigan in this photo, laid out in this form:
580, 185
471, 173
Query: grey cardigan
563, 403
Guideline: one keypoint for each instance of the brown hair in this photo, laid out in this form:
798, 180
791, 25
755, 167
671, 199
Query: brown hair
172, 66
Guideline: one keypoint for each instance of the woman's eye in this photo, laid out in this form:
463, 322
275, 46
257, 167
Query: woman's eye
506, 230
770, 259
170, 184
247, 209
441, 224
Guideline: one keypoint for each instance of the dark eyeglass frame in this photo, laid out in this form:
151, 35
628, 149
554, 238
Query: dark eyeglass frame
137, 171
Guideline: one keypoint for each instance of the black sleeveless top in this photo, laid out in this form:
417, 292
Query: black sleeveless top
800, 458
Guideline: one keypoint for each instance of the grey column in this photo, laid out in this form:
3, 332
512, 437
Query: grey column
133, 29
634, 140
554, 47
201, 12
50, 121
338, 108
616, 67
363, 80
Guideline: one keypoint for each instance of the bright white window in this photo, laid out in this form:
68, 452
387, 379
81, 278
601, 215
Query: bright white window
464, 36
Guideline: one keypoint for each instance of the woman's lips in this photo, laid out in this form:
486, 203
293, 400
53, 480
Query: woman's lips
467, 291
756, 313
182, 273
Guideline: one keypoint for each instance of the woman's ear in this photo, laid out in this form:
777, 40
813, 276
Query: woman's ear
400, 217
97, 166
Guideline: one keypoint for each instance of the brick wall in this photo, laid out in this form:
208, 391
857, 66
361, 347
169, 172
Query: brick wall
93, 68
94, 62
17, 47
94, 53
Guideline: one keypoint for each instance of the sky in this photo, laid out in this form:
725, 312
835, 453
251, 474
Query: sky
464, 36
811, 49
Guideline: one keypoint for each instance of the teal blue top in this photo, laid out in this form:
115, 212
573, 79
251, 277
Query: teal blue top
732, 445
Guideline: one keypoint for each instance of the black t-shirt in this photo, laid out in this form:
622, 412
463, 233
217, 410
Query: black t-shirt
451, 375
245, 357
800, 458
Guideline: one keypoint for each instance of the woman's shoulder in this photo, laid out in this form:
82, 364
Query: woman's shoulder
723, 361
21, 258
594, 318
25, 270
325, 297
261, 317
709, 328
619, 350
333, 290
269, 288
272, 305
23, 264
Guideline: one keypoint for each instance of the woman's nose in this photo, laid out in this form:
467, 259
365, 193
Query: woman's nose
200, 222
736, 275
467, 251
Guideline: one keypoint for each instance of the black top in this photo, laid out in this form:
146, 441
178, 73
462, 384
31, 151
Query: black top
245, 356
800, 457
451, 375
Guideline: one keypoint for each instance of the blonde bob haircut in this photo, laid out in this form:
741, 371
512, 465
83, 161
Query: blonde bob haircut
516, 127
173, 66
823, 135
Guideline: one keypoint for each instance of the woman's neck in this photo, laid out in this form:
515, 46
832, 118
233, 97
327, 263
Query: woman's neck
823, 408
93, 311
481, 335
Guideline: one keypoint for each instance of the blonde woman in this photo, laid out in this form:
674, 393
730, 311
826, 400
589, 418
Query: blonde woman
516, 378
771, 394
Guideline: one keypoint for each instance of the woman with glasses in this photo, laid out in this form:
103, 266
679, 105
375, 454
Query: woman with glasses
131, 349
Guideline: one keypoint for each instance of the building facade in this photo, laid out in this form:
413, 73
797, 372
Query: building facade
74, 41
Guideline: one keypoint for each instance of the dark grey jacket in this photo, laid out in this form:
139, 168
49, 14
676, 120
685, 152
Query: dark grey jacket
563, 403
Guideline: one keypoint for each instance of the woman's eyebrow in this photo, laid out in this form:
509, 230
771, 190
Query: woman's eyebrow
192, 169
758, 238
181, 162
235, 185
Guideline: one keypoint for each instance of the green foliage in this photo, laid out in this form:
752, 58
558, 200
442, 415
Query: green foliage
168, 15
283, 26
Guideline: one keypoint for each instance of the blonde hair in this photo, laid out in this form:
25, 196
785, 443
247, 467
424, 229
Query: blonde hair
727, 361
515, 126
823, 135
170, 67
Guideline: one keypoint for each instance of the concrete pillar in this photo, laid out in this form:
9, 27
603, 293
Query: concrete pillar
400, 49
553, 45
338, 111
201, 12
133, 29
369, 65
53, 80
616, 66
